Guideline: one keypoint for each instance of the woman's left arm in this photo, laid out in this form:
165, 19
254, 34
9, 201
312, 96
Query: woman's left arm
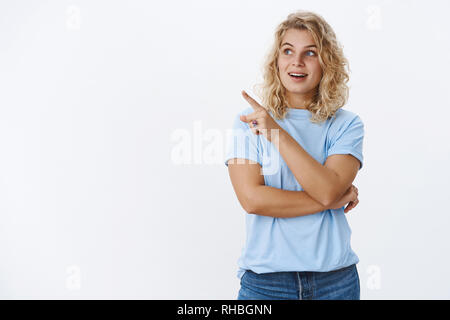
324, 183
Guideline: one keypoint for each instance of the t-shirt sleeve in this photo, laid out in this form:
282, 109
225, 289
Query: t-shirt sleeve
349, 140
242, 143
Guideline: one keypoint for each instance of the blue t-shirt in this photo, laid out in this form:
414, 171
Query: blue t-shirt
316, 242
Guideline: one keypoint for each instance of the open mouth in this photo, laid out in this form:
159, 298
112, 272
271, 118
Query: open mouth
298, 75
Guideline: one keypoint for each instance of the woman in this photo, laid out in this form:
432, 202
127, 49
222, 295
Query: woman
292, 161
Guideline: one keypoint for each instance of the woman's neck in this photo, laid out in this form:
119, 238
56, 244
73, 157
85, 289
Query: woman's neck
297, 101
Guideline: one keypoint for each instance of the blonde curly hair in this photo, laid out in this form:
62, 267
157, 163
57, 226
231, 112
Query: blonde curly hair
332, 91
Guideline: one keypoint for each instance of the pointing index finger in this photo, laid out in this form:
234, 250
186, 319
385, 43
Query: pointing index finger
255, 105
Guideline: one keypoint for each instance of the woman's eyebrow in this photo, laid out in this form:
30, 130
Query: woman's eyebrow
308, 46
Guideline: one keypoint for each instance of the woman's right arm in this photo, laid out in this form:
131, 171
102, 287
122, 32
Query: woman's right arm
257, 198
274, 202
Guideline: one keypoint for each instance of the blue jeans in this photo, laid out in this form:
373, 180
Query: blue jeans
342, 284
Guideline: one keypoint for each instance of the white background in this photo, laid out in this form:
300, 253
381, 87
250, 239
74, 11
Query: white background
92, 93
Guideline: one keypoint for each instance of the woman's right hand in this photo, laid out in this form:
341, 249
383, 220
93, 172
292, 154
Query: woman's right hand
350, 197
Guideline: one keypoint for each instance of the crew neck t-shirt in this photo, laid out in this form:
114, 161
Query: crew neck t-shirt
315, 242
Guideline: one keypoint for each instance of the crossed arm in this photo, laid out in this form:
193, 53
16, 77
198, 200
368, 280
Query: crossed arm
255, 197
323, 184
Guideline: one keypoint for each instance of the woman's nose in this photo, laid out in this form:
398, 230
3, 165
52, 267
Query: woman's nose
298, 60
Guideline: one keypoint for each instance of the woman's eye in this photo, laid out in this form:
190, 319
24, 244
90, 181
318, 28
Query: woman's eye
308, 53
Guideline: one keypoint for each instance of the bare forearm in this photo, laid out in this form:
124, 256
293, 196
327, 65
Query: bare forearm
278, 203
316, 179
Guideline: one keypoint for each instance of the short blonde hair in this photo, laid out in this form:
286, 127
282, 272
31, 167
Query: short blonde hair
332, 91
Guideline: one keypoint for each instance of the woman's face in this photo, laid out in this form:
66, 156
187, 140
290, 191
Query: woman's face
298, 54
